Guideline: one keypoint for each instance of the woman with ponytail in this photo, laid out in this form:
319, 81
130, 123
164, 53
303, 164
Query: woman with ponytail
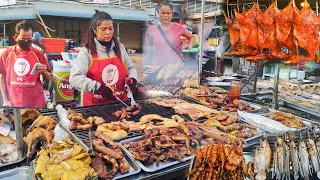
103, 67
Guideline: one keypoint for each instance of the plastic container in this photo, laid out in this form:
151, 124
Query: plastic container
53, 45
234, 91
63, 90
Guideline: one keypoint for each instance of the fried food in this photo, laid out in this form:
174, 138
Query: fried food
110, 152
126, 113
106, 139
166, 102
34, 136
29, 115
286, 118
100, 167
78, 122
59, 162
96, 120
45, 122
100, 147
219, 161
150, 117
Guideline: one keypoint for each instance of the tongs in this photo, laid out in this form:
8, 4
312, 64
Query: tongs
206, 95
120, 100
130, 96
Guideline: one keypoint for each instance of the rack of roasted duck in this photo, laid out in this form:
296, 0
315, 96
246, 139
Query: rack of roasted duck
261, 35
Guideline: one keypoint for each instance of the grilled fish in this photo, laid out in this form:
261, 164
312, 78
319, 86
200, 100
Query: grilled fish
262, 159
313, 154
295, 159
264, 123
304, 160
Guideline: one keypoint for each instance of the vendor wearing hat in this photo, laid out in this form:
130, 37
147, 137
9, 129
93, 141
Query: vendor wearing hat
103, 66
19, 86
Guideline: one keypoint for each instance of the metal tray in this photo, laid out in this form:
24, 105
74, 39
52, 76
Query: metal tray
150, 167
308, 123
301, 108
257, 108
20, 158
134, 169
20, 173
38, 177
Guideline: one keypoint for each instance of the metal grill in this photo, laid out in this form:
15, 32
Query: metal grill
105, 111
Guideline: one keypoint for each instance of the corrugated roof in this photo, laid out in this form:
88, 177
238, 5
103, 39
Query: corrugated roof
65, 9
15, 13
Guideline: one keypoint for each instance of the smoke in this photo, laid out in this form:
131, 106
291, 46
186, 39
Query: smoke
208, 26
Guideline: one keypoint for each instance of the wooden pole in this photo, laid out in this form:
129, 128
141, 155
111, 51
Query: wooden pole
43, 24
275, 104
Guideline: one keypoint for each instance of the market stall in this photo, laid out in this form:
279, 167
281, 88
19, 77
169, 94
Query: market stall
179, 127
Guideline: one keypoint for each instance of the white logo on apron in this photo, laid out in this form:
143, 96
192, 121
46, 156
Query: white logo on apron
110, 75
21, 67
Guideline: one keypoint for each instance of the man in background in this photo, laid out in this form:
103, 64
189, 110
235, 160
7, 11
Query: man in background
19, 86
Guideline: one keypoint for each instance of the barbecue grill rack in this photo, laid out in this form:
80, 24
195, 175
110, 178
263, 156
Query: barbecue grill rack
105, 111
152, 80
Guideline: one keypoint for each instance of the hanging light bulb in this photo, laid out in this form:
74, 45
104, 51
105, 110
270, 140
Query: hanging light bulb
302, 4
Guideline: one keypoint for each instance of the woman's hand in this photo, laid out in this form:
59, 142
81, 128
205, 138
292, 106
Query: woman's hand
132, 83
106, 91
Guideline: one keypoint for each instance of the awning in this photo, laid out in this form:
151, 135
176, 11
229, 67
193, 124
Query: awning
69, 9
17, 13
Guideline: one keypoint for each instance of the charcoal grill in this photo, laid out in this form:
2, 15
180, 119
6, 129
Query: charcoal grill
105, 111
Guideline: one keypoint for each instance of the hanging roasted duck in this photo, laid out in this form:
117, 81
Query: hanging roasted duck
234, 32
263, 35
248, 33
305, 29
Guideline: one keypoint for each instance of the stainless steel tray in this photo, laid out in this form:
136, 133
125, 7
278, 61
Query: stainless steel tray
134, 169
20, 173
38, 177
308, 123
22, 156
146, 166
301, 108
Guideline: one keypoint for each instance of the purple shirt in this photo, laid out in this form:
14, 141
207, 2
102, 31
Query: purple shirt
163, 54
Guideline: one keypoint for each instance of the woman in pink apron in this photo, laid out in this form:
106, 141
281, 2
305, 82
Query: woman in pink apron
103, 67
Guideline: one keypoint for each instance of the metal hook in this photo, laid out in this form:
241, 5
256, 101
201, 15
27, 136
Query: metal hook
300, 135
308, 133
314, 132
